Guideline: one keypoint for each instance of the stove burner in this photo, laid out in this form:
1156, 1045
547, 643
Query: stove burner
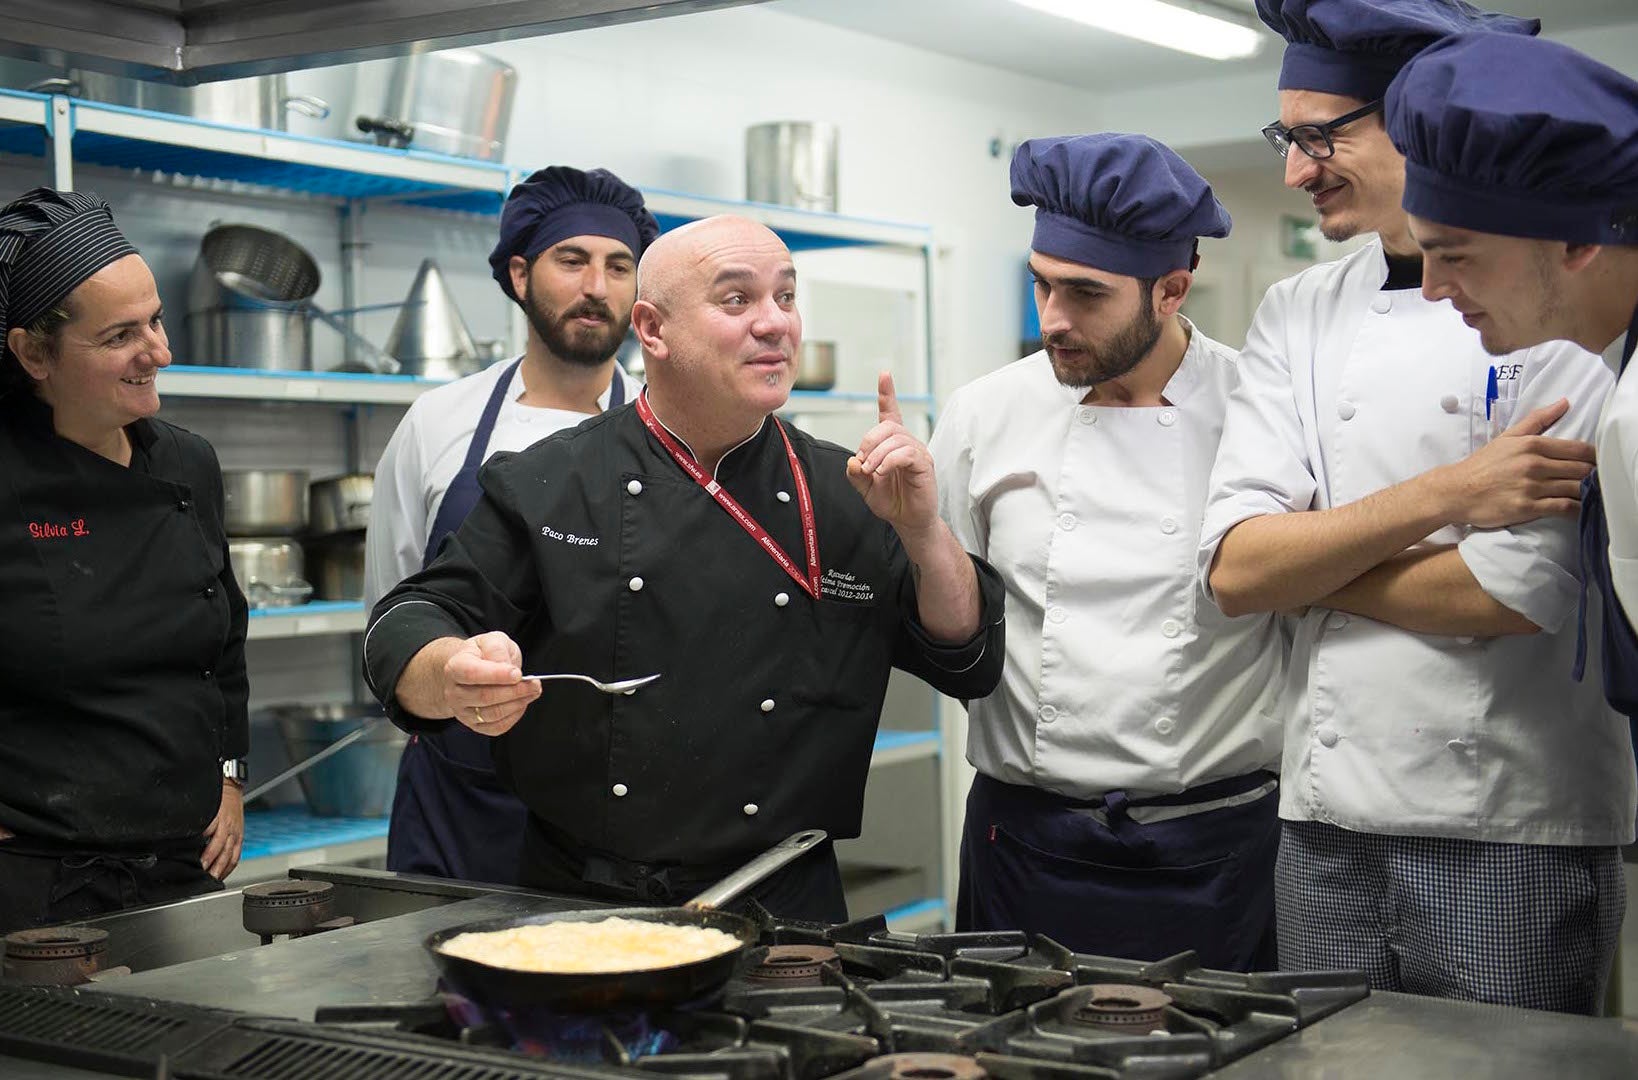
567, 1037
792, 965
290, 907
1122, 1007
929, 1067
58, 956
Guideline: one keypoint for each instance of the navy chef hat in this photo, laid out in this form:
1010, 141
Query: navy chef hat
557, 203
50, 242
1122, 203
1519, 137
1355, 47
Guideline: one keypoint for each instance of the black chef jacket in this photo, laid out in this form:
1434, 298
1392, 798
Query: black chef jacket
122, 677
597, 554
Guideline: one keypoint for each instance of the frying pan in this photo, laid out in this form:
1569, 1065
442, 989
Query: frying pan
642, 989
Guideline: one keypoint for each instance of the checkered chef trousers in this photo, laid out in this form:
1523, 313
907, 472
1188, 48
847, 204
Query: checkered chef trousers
1532, 925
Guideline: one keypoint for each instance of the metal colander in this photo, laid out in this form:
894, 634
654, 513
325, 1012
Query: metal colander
260, 263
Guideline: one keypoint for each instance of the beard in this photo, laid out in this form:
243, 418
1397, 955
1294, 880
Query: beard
568, 342
1117, 356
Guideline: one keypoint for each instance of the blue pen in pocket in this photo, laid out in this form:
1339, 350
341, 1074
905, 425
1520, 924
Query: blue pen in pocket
1491, 391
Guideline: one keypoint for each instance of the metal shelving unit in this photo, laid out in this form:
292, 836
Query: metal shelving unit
191, 155
313, 619
358, 388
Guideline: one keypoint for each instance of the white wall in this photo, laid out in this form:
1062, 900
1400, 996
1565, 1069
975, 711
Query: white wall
666, 104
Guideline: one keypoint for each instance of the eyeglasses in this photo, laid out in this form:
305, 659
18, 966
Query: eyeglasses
1313, 139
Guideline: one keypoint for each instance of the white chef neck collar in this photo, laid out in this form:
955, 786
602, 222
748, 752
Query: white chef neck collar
1178, 387
516, 388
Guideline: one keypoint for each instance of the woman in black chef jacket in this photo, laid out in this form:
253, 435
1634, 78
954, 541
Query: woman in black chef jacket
122, 677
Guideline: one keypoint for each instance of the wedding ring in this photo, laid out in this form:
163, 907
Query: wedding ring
478, 715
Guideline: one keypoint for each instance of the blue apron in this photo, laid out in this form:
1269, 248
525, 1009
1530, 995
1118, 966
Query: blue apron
1078, 870
1620, 643
450, 815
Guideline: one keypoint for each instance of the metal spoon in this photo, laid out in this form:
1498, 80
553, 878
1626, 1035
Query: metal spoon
623, 686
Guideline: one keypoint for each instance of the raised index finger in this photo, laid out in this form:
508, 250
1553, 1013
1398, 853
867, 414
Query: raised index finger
887, 400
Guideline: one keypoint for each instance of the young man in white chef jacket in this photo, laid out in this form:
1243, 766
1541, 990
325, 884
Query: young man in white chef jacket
567, 255
1531, 233
1453, 799
1124, 802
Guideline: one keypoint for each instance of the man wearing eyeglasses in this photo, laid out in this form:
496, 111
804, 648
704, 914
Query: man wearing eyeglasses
1451, 798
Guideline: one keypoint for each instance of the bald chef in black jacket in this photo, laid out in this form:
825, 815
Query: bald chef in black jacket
770, 578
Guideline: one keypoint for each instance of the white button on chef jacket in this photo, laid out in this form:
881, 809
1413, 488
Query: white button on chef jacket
635, 584
750, 809
1014, 453
781, 599
634, 487
1555, 764
619, 790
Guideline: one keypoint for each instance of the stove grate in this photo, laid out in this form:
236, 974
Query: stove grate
90, 1030
285, 1050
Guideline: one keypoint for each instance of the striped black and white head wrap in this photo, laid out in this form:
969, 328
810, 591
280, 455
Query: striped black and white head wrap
50, 241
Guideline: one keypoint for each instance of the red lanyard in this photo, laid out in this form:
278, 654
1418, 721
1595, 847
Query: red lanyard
804, 501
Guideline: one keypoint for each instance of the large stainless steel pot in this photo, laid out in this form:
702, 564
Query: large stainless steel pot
792, 164
340, 503
455, 101
355, 782
269, 571
816, 368
264, 502
249, 300
262, 102
335, 565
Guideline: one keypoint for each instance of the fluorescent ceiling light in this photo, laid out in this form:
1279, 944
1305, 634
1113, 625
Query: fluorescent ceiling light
1212, 36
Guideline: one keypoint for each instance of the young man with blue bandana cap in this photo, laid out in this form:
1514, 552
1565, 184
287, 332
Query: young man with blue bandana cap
1125, 800
567, 254
1521, 163
1453, 801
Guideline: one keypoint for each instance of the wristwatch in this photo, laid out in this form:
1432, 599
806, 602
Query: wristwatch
236, 770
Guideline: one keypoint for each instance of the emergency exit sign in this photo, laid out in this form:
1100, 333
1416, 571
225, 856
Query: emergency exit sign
1299, 237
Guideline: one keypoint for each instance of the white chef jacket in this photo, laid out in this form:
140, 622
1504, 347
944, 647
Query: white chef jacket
1344, 390
1120, 675
1618, 479
428, 449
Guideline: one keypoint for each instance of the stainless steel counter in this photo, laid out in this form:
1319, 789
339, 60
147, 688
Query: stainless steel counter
372, 963
1403, 1037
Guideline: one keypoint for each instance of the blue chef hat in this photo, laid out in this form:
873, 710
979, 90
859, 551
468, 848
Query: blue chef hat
1121, 203
557, 203
1356, 47
1520, 137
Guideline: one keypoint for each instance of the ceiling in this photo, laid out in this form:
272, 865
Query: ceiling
1002, 34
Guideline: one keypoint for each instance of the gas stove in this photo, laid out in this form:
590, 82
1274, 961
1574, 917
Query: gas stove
325, 975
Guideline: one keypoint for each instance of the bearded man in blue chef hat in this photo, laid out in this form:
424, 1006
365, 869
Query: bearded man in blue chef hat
1453, 800
1521, 181
1125, 799
567, 255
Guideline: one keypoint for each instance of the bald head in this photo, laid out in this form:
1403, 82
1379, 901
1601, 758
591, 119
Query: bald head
716, 316
678, 259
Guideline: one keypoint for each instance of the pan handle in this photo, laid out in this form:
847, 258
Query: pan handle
758, 869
